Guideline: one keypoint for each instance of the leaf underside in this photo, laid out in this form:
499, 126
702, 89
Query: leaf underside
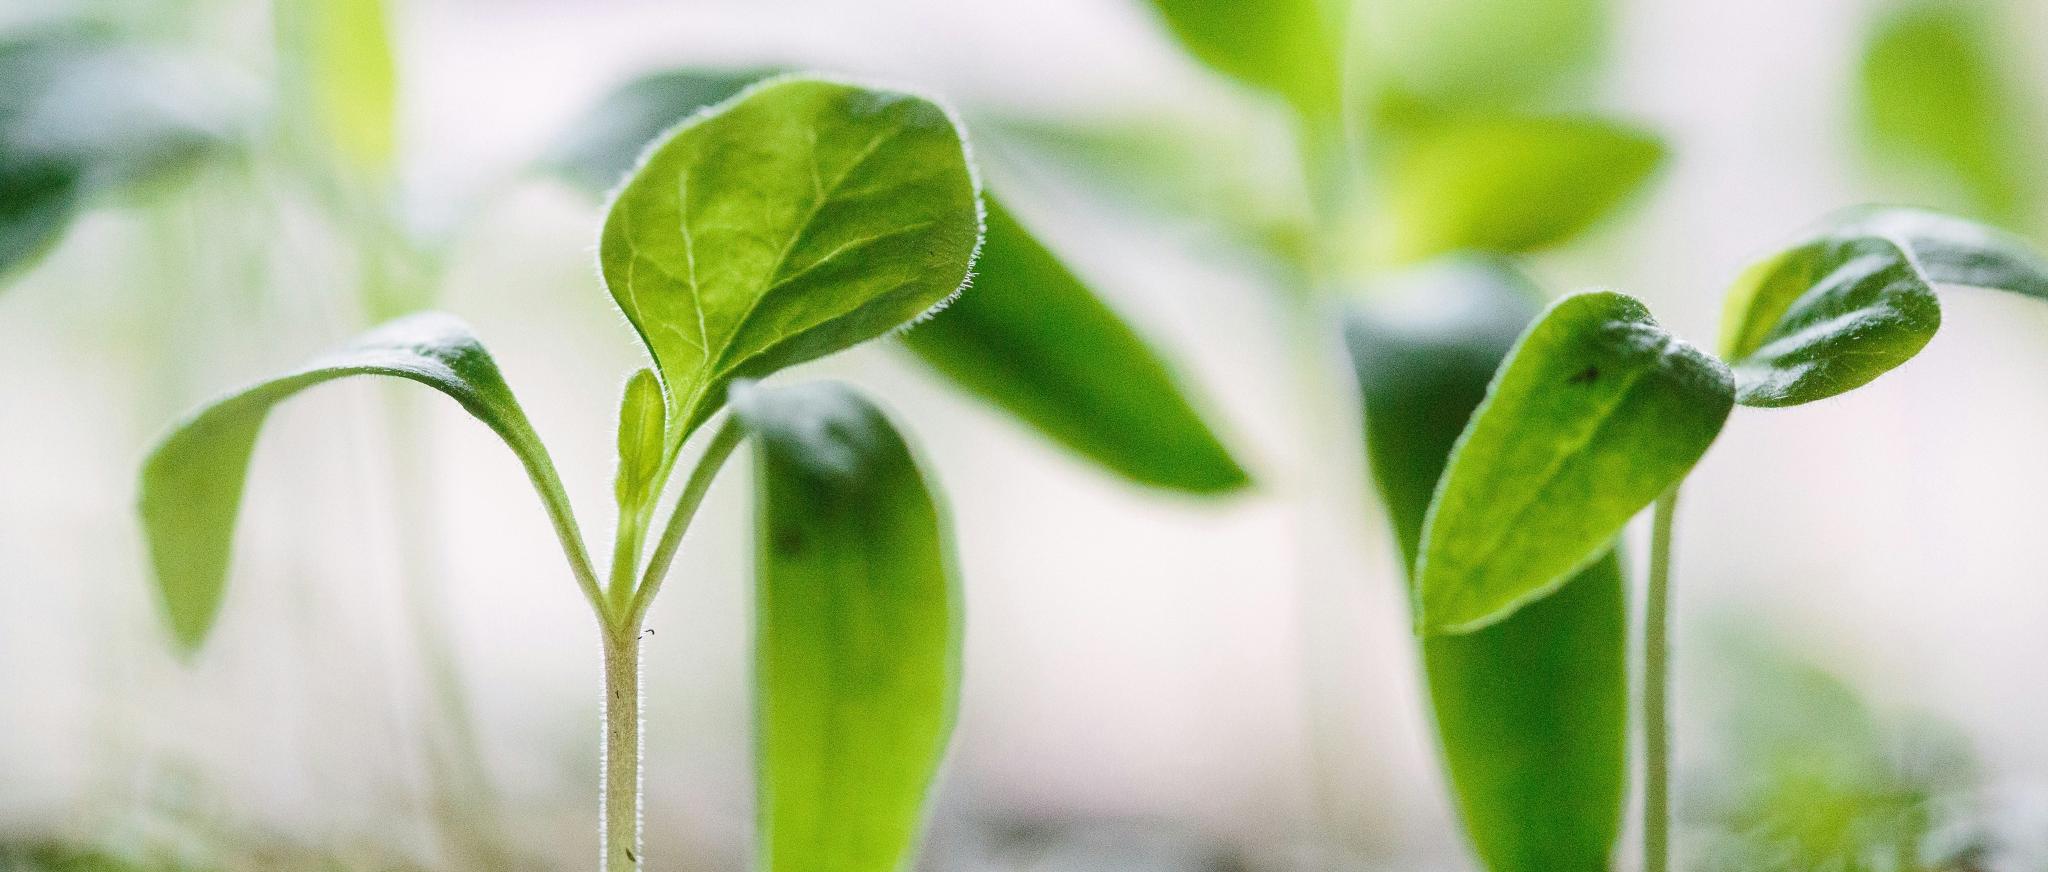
1596, 412
857, 623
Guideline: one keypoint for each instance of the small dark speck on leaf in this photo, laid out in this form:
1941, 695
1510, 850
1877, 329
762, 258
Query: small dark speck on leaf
789, 540
1586, 376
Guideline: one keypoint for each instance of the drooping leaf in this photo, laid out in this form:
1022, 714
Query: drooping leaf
1506, 184
1288, 47
600, 148
1937, 93
643, 425
1596, 412
798, 219
1825, 317
857, 633
1467, 55
81, 116
1951, 250
1032, 339
340, 62
192, 482
1531, 713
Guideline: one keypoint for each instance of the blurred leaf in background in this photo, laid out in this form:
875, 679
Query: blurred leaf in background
1292, 48
600, 147
1478, 55
83, 117
1938, 96
1805, 775
339, 73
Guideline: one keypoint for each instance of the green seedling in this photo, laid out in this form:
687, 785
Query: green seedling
799, 218
1597, 413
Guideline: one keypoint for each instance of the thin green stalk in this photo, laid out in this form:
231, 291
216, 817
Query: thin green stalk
619, 809
722, 443
1657, 692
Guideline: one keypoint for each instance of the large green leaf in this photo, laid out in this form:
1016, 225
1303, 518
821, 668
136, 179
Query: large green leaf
1031, 338
1825, 317
1481, 54
1596, 413
857, 633
798, 219
1506, 183
1289, 47
192, 482
1531, 713
600, 147
1937, 93
1951, 250
81, 116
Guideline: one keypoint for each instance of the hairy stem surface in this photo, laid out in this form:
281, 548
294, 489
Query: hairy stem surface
1657, 692
619, 812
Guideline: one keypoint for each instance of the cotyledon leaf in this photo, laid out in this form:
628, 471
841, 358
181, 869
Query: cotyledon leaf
797, 219
1825, 317
1596, 412
193, 479
857, 632
1952, 250
1031, 338
1531, 713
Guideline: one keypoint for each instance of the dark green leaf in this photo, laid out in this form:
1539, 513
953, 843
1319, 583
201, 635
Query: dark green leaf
800, 218
192, 482
857, 633
1031, 338
37, 202
1937, 93
1951, 250
601, 147
1824, 318
1531, 712
1596, 413
1507, 184
1288, 47
643, 421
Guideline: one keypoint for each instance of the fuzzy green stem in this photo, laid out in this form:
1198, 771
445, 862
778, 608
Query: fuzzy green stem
619, 813
1657, 691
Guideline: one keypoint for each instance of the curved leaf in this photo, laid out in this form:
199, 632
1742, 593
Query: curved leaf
1288, 47
857, 633
1596, 413
192, 481
1951, 250
600, 148
1507, 184
1031, 338
798, 219
1937, 92
1531, 713
1824, 318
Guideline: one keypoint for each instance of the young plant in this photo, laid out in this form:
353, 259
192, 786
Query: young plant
801, 217
1597, 412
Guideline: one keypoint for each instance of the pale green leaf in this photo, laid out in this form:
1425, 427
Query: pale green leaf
1032, 339
857, 633
192, 482
339, 57
798, 219
1531, 713
1596, 412
1481, 54
1506, 184
643, 421
1289, 47
1825, 317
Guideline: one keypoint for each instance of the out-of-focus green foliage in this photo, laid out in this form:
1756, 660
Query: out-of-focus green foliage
1031, 338
1505, 183
1474, 55
192, 482
1531, 712
338, 59
600, 148
1825, 318
1806, 775
1289, 47
81, 117
804, 218
1938, 93
1596, 413
857, 633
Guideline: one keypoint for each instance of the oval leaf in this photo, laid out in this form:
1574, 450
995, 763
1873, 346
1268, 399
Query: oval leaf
1531, 713
800, 218
1824, 318
643, 415
1031, 338
1951, 250
192, 481
1507, 184
1596, 413
857, 625
1288, 47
